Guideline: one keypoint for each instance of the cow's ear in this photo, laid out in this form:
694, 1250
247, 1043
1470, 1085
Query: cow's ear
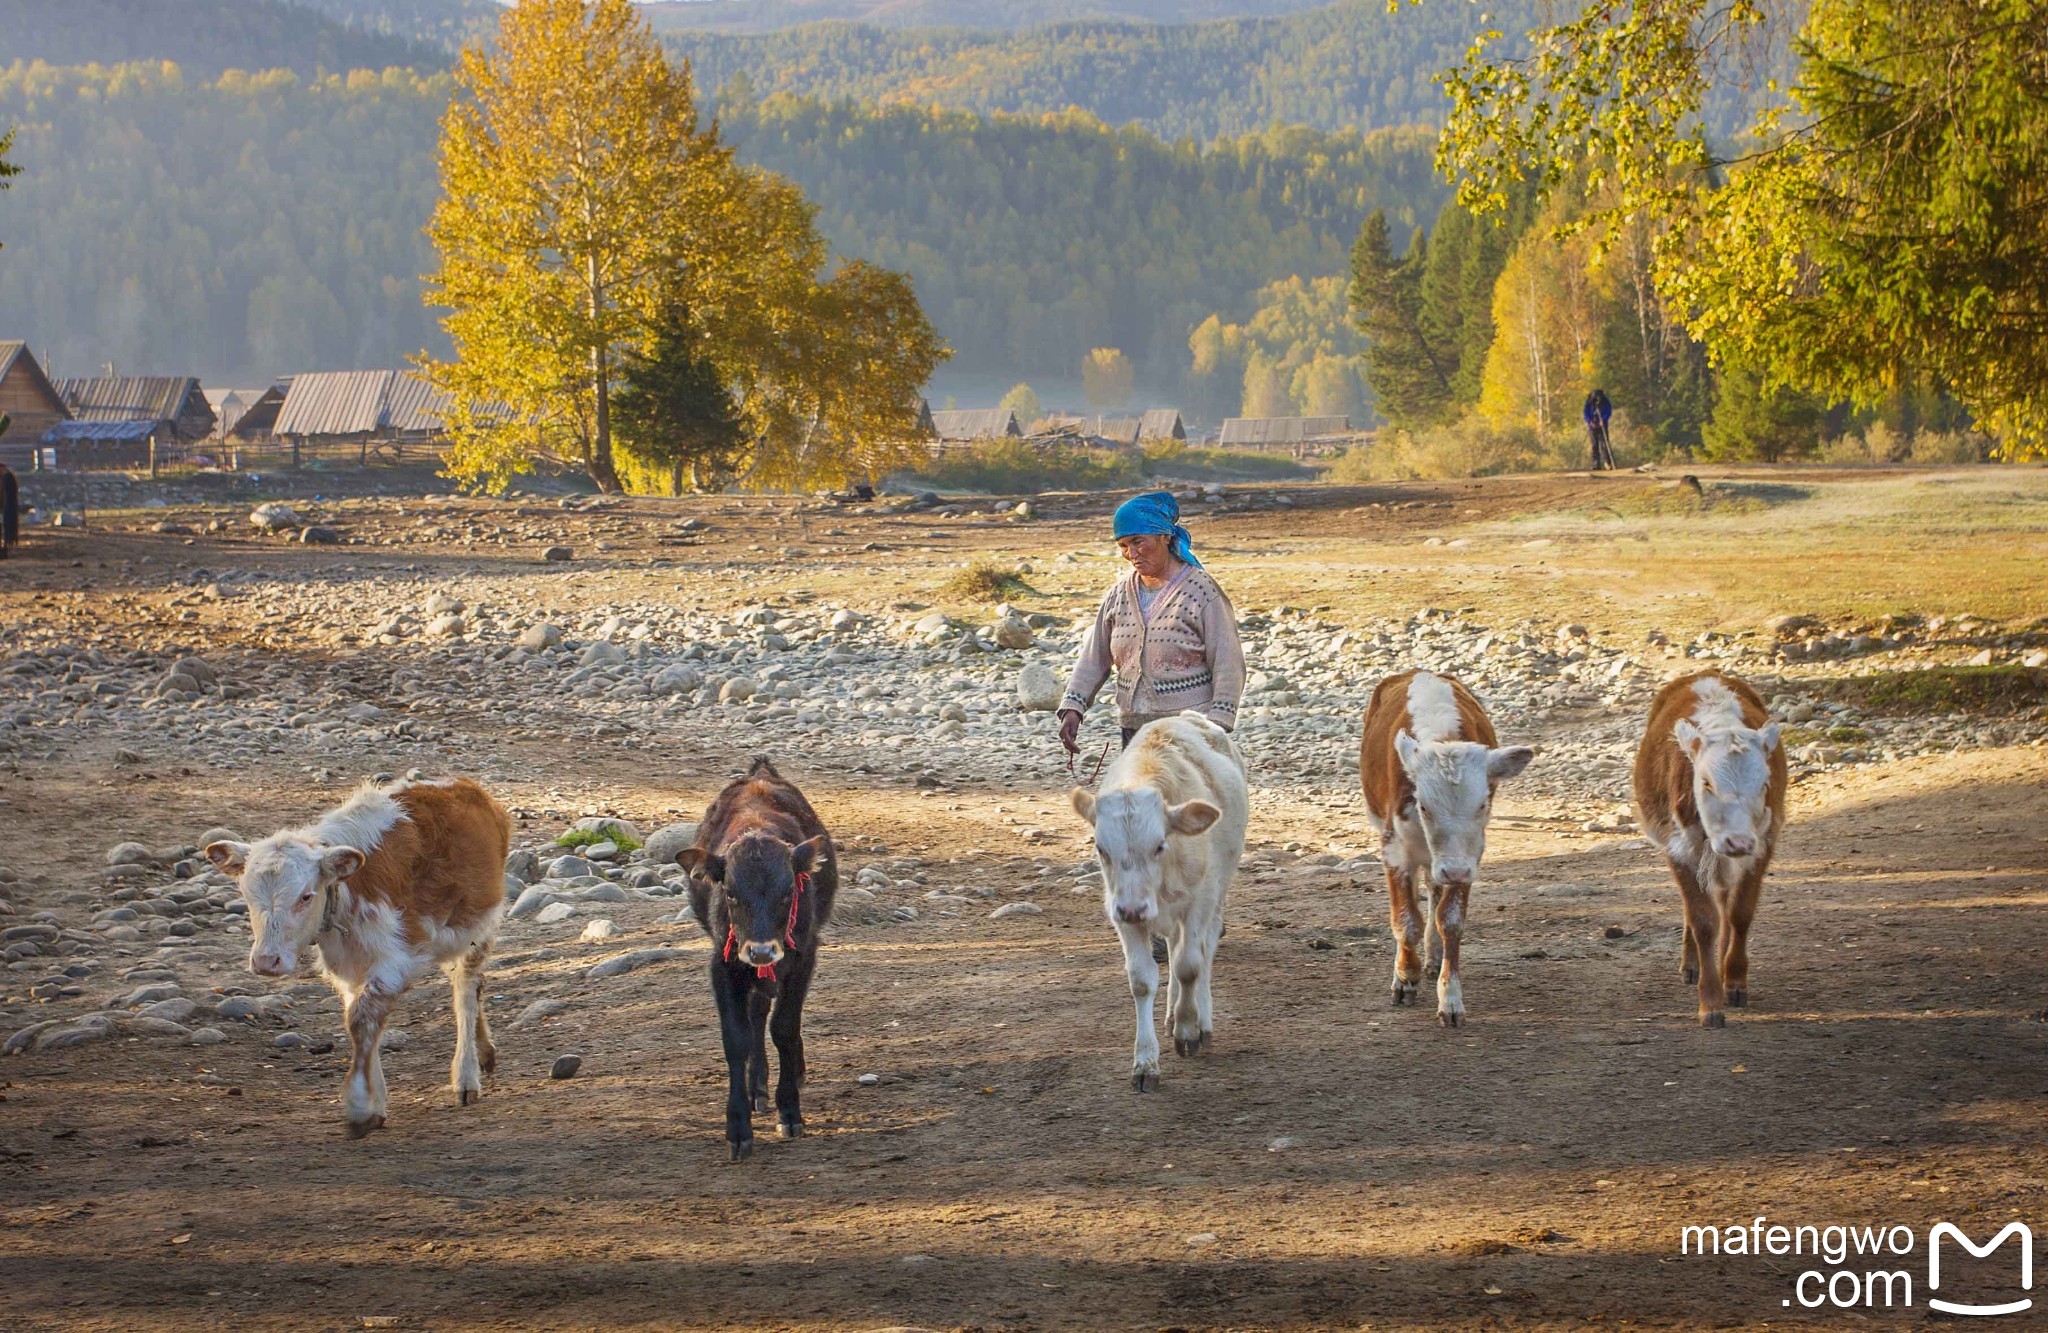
805, 854
338, 863
1688, 736
700, 862
1192, 817
1407, 749
1084, 804
1508, 762
1770, 734
230, 858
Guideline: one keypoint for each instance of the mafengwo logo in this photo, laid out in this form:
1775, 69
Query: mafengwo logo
1873, 1267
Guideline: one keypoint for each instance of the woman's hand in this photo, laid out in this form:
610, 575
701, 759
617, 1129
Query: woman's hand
1070, 730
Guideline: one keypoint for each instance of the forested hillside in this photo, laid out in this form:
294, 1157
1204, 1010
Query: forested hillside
249, 226
442, 22
768, 15
204, 37
1350, 65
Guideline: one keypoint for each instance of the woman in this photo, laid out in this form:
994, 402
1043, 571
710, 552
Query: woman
1166, 630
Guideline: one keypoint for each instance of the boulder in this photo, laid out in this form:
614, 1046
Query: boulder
540, 637
441, 603
554, 912
739, 688
274, 516
663, 844
448, 625
319, 534
128, 854
1012, 632
523, 864
557, 554
601, 653
610, 826
1038, 689
678, 679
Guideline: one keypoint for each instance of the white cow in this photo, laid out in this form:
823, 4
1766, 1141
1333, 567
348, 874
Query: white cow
1169, 819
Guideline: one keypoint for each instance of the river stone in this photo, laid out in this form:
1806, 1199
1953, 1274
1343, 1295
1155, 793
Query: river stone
448, 626
1038, 689
620, 964
128, 854
206, 1037
1012, 632
523, 865
440, 603
663, 844
555, 554
555, 912
1016, 909
540, 637
274, 516
601, 929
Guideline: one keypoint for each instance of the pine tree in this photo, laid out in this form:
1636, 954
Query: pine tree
1753, 423
673, 410
1409, 372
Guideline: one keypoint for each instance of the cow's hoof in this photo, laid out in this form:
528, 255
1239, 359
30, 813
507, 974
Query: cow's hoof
1714, 1019
1145, 1080
790, 1129
1447, 1018
488, 1062
1434, 970
471, 1096
1188, 1046
1738, 997
1404, 991
362, 1129
760, 1103
1158, 950
1691, 975
742, 1149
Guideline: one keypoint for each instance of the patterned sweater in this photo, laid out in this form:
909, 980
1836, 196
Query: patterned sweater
1187, 656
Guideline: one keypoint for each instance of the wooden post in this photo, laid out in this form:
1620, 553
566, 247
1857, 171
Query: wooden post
152, 455
295, 453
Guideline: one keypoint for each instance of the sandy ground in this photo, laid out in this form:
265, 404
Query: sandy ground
1334, 1163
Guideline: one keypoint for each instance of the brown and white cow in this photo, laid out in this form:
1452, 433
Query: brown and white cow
1430, 763
395, 882
1710, 792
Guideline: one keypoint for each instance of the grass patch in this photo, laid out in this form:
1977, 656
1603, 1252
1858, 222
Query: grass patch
1175, 459
1720, 497
1992, 690
576, 839
986, 582
1014, 467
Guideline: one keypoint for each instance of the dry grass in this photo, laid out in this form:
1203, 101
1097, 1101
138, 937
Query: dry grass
985, 581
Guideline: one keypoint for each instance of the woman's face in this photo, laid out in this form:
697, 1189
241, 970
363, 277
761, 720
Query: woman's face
1150, 554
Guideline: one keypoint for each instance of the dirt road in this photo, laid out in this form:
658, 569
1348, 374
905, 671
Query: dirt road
1334, 1163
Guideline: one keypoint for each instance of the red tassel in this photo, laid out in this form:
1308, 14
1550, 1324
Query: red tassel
803, 881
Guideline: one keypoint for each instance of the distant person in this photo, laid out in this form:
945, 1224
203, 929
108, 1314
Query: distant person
10, 510
1599, 410
1166, 631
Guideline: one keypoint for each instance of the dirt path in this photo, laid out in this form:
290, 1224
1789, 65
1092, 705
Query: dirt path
1335, 1162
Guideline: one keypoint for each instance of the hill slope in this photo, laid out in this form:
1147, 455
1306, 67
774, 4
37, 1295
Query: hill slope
200, 36
770, 15
1347, 66
252, 226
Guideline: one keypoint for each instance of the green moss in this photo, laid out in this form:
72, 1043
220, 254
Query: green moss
1994, 690
585, 837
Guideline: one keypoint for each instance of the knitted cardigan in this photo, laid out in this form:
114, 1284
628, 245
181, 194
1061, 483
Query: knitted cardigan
1187, 656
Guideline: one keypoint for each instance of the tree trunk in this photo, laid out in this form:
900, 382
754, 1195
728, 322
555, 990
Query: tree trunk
601, 470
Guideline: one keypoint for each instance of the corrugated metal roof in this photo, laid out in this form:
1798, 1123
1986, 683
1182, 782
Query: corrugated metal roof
1283, 430
360, 402
1161, 423
72, 432
988, 423
128, 397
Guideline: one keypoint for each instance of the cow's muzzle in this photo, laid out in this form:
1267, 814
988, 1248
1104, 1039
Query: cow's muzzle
1136, 914
270, 963
761, 953
1737, 844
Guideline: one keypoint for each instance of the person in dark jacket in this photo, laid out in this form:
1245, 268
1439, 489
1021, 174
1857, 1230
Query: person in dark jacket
1599, 408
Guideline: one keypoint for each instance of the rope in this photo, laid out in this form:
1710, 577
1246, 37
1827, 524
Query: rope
803, 881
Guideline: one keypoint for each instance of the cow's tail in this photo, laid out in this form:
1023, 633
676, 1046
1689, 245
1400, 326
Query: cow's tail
10, 510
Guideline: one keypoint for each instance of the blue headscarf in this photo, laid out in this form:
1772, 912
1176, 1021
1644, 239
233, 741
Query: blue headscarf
1155, 512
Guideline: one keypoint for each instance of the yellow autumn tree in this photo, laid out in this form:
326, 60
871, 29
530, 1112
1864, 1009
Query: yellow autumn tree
1547, 313
1107, 377
583, 207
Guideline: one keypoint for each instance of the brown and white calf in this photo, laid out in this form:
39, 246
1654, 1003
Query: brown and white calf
1710, 792
1430, 763
397, 881
1169, 819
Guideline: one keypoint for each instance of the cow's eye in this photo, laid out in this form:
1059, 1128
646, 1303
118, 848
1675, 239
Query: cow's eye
1160, 850
305, 897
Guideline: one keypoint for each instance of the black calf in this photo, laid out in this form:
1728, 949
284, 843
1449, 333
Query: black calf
762, 878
